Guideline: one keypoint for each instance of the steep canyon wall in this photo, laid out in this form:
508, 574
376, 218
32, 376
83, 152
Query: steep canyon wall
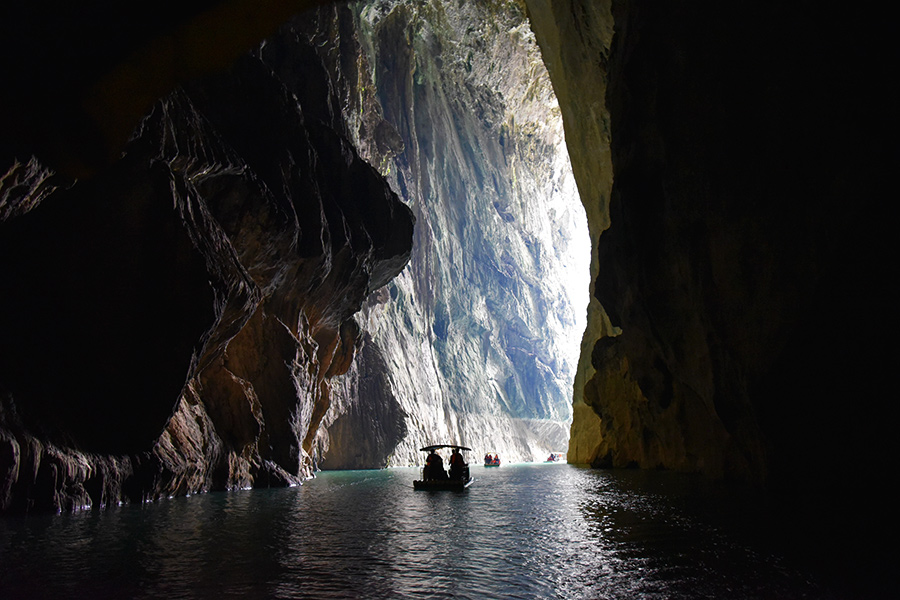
740, 268
478, 338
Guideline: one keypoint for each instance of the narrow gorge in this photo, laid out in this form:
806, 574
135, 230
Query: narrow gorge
357, 234
370, 228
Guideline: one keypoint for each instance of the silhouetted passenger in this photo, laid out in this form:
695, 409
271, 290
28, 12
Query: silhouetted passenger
456, 464
434, 467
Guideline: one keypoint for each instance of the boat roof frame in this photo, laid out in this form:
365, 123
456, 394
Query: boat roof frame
439, 446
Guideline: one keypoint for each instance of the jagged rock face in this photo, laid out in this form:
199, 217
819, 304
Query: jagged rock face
575, 42
478, 338
742, 216
241, 193
184, 310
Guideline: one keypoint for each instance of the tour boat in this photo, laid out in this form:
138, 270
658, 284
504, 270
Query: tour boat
494, 461
435, 478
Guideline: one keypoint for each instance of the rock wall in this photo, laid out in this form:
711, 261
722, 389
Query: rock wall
575, 42
740, 319
741, 265
171, 324
478, 338
185, 317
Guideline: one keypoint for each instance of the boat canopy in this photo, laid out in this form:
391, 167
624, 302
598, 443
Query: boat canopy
439, 446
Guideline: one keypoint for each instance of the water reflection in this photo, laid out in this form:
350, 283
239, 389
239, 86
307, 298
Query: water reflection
539, 531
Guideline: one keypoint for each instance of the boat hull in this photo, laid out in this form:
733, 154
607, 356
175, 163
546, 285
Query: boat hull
439, 485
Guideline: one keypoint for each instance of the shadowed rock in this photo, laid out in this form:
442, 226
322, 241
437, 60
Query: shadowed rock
186, 307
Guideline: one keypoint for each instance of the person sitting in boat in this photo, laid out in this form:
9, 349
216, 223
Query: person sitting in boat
434, 467
488, 458
456, 464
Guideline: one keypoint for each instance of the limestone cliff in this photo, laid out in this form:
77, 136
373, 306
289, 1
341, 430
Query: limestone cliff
749, 149
478, 338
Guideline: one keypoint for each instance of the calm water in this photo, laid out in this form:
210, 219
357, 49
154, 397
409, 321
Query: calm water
529, 531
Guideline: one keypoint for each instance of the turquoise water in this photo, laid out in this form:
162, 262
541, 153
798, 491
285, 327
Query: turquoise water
520, 531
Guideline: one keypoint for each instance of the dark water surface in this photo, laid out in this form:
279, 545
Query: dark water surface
526, 531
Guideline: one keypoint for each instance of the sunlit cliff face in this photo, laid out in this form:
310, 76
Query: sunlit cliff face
479, 337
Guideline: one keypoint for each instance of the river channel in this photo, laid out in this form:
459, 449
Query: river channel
520, 531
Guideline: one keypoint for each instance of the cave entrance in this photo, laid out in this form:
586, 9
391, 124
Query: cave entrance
452, 103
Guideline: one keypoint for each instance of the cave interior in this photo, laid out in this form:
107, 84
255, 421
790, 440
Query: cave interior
763, 133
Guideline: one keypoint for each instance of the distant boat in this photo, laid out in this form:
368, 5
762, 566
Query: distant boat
435, 478
492, 460
554, 457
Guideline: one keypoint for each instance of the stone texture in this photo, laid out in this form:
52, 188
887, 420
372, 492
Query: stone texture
575, 42
171, 323
479, 336
748, 149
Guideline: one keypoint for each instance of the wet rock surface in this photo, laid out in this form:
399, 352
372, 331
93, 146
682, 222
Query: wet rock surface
171, 323
748, 150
